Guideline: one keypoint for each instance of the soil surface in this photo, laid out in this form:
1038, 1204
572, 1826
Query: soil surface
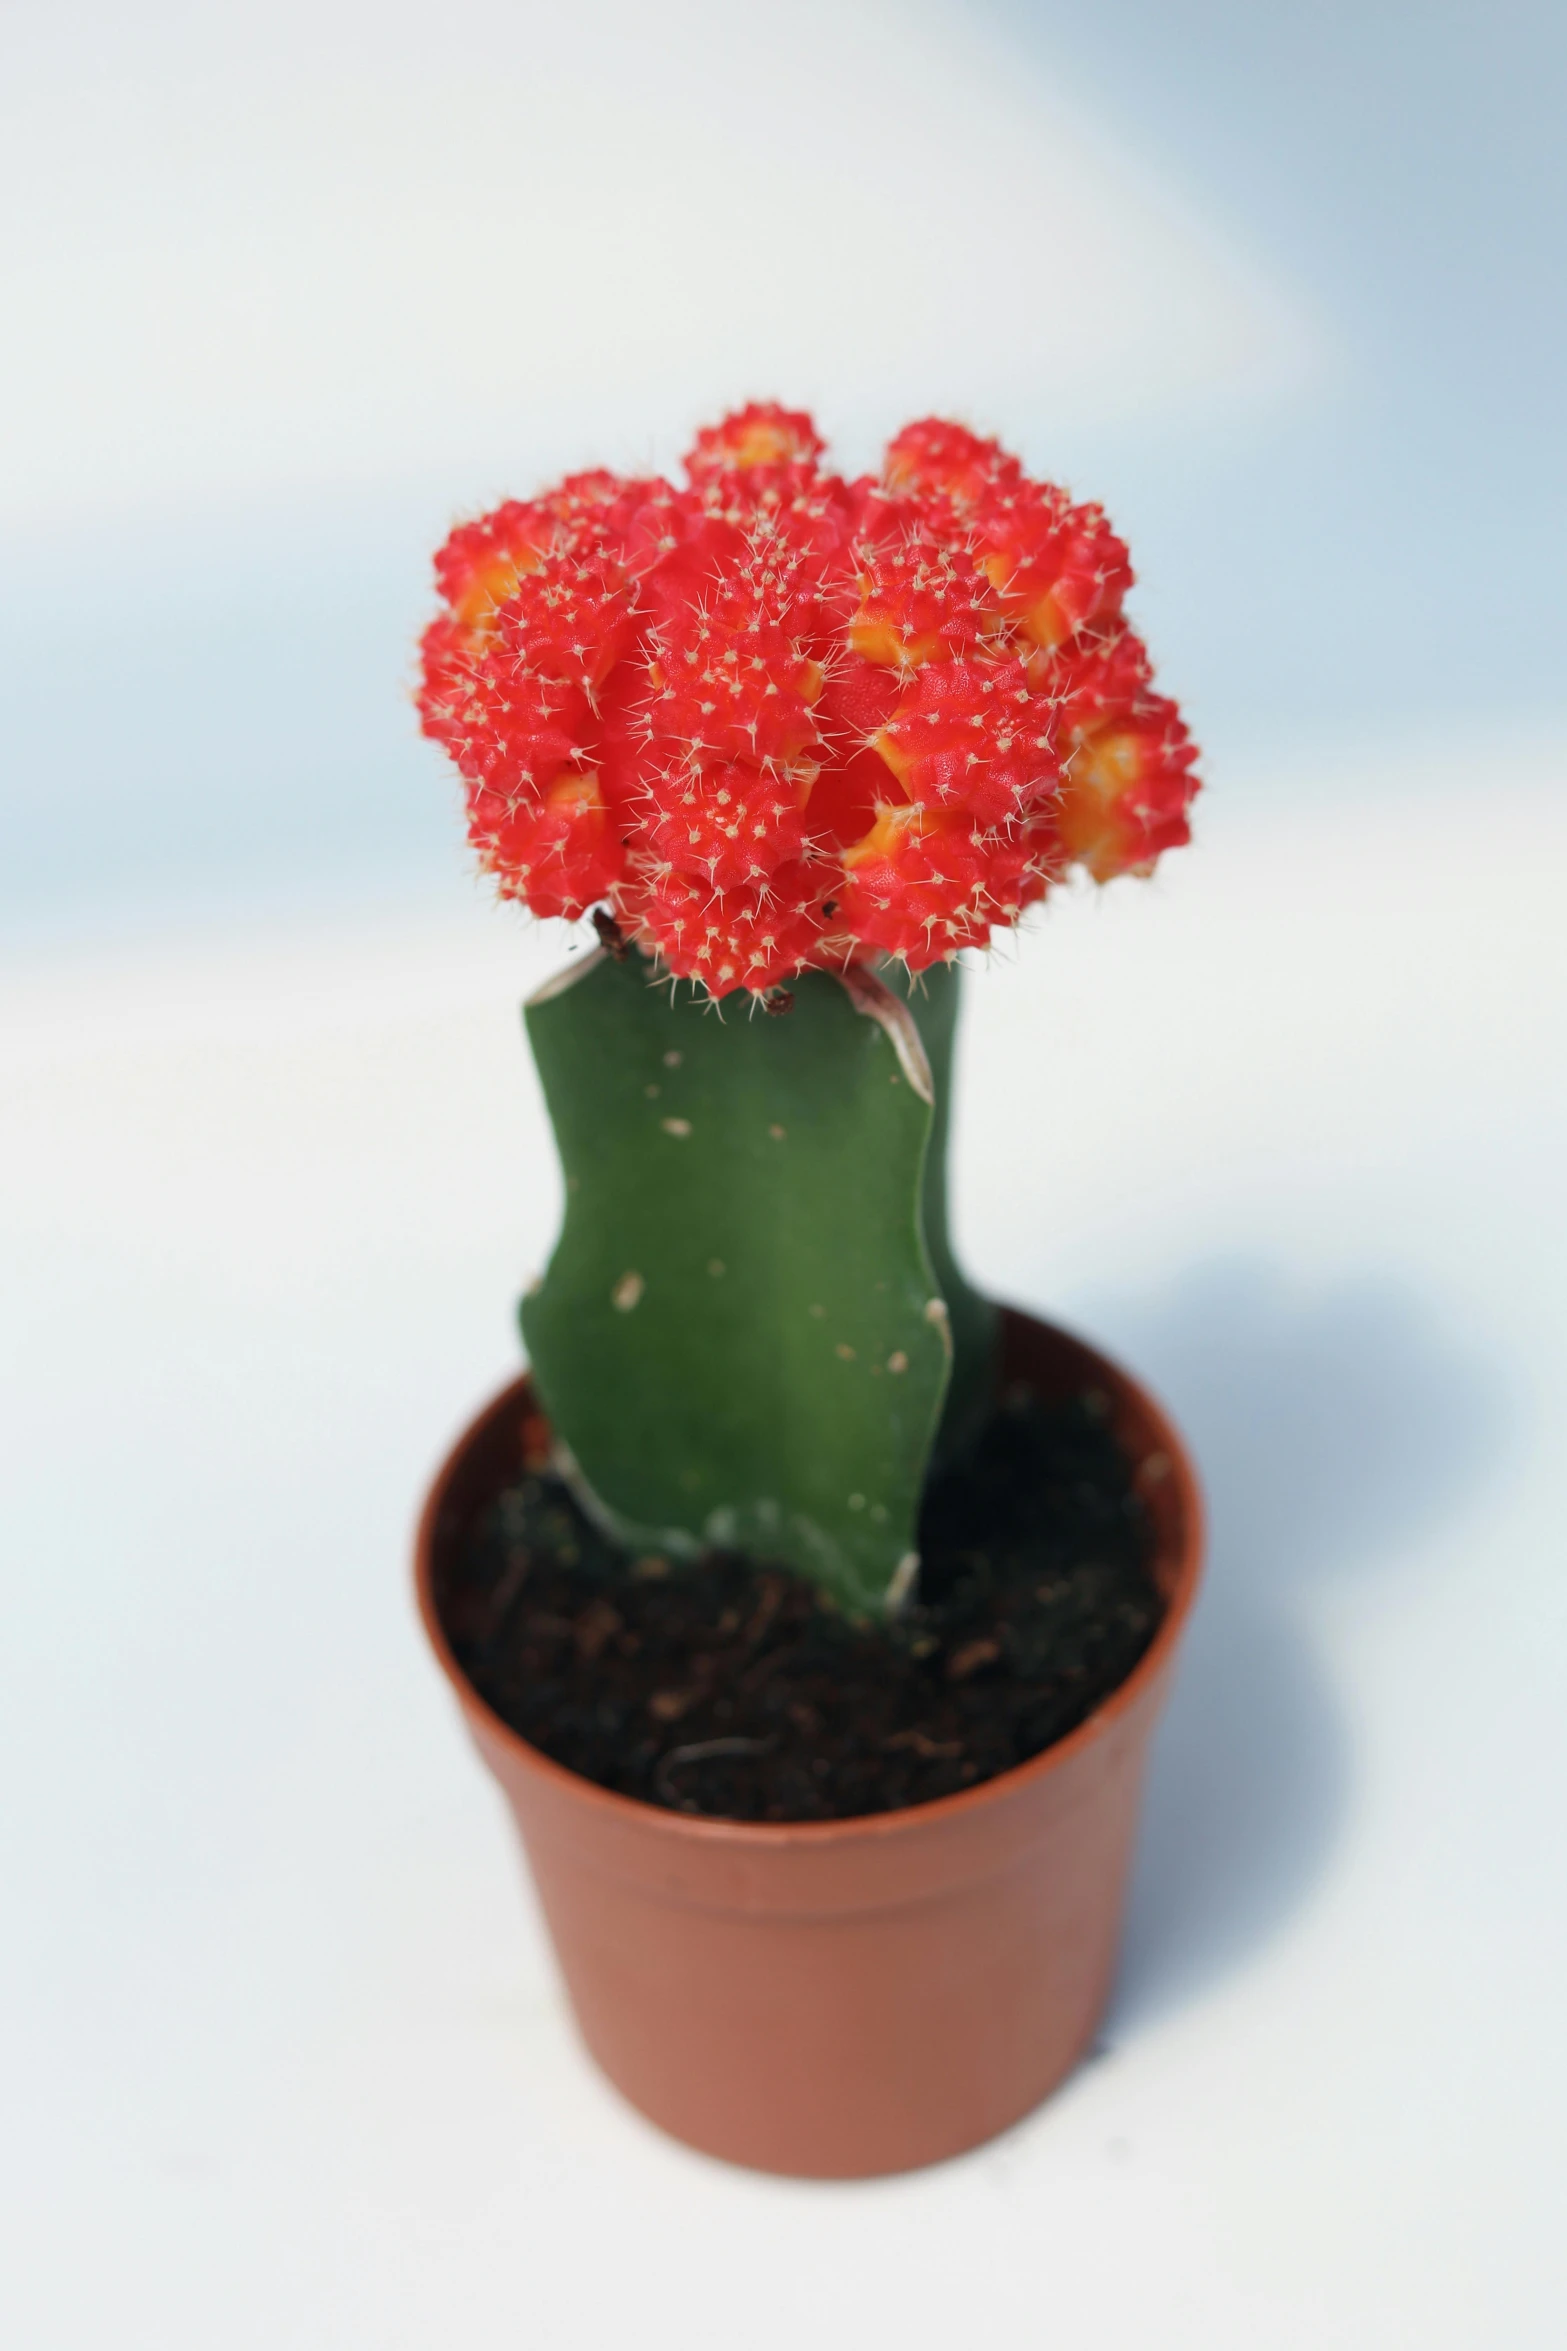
729, 1688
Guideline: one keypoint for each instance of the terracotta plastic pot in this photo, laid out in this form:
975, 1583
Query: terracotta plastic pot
837, 1998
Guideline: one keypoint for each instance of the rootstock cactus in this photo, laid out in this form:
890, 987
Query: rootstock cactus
804, 738
778, 720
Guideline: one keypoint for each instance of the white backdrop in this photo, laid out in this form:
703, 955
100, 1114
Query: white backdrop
285, 2061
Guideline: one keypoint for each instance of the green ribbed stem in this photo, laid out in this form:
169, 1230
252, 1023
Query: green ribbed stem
743, 1337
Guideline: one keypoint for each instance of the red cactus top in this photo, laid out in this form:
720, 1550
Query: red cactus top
778, 719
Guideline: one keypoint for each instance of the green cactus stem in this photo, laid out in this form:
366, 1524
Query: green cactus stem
745, 1333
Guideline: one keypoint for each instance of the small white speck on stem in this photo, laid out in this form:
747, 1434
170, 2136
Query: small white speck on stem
902, 1584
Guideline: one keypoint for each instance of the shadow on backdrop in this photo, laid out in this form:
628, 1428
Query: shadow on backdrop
1331, 1428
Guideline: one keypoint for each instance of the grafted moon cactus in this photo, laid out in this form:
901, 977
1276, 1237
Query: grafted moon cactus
779, 721
774, 726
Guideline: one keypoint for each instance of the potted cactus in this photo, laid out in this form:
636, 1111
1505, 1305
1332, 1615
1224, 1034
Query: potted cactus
811, 1609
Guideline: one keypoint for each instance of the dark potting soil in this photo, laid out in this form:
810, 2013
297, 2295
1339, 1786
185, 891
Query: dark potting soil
729, 1688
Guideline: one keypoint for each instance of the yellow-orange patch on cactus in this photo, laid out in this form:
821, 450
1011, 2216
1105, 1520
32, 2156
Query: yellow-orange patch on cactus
488, 586
925, 882
917, 604
761, 434
1125, 793
884, 842
558, 852
1056, 569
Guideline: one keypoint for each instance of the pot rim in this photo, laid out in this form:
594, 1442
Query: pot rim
698, 1829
